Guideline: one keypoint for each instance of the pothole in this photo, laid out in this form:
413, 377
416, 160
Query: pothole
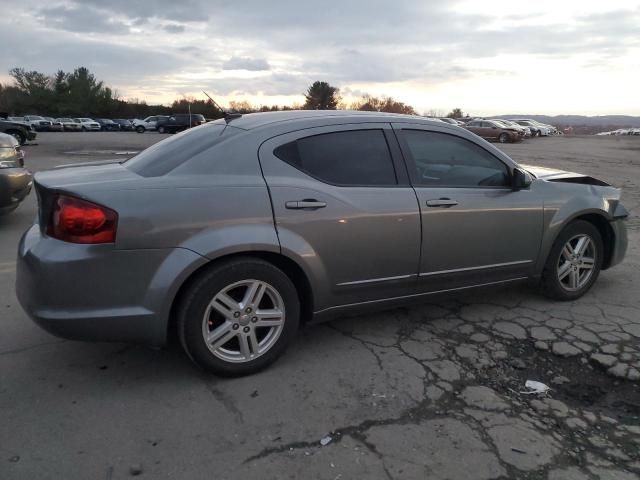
589, 387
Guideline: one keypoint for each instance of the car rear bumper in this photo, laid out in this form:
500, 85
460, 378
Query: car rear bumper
97, 292
15, 185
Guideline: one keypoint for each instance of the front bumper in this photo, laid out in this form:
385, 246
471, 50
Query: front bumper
15, 185
620, 241
97, 292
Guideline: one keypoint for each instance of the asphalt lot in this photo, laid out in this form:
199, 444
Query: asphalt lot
431, 391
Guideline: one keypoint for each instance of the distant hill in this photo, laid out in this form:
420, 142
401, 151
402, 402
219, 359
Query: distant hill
582, 123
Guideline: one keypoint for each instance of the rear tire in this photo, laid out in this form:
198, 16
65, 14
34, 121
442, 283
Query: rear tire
238, 317
574, 262
161, 129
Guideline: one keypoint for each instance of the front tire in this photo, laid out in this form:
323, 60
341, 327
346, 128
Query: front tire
19, 136
140, 129
574, 262
238, 317
503, 138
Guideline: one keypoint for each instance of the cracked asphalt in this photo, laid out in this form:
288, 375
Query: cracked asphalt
431, 391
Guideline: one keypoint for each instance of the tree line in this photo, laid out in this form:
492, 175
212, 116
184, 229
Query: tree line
80, 93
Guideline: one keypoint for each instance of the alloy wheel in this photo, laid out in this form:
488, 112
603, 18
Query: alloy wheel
576, 263
243, 321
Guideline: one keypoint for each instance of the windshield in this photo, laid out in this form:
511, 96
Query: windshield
168, 154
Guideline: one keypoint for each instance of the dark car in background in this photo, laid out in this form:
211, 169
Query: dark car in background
125, 125
490, 130
15, 180
19, 130
178, 122
55, 125
107, 125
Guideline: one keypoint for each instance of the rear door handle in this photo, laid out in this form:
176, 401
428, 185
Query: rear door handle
441, 202
307, 204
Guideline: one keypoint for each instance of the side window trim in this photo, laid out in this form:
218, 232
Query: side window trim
411, 164
306, 133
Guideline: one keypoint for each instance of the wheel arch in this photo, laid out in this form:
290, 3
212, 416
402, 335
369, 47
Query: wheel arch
597, 218
291, 268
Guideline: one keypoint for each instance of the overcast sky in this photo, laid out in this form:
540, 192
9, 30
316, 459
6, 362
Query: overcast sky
487, 57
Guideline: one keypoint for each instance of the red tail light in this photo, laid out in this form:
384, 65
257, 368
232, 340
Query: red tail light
79, 221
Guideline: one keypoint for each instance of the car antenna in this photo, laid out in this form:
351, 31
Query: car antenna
228, 116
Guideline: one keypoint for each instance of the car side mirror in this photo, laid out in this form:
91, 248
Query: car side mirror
520, 179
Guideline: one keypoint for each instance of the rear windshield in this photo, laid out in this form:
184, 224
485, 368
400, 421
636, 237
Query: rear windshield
168, 154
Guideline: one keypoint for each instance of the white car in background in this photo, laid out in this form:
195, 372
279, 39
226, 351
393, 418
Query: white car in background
148, 123
37, 122
87, 124
537, 129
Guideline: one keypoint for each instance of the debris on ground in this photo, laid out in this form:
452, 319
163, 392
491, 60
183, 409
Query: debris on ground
535, 387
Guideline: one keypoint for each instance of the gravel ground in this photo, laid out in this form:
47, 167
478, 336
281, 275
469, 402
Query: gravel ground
431, 391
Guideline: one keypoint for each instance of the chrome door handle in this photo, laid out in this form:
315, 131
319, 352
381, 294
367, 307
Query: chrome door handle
441, 202
307, 204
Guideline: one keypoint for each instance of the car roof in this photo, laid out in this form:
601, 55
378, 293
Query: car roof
256, 120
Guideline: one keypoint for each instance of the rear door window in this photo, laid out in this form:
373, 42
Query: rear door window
346, 158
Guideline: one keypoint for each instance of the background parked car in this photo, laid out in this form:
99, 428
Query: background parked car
19, 130
37, 122
148, 123
490, 130
15, 180
537, 130
87, 124
451, 121
70, 125
523, 131
55, 125
179, 122
107, 125
125, 125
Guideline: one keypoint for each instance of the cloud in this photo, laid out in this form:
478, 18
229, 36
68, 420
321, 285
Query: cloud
172, 28
246, 63
278, 48
80, 19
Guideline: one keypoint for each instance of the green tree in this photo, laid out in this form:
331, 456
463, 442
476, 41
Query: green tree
321, 96
385, 104
455, 113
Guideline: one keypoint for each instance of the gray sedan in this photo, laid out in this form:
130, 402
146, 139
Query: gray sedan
232, 234
15, 180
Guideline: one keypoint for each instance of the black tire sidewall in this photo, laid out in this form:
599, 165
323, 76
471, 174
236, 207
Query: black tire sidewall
19, 136
503, 138
140, 129
208, 284
551, 284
